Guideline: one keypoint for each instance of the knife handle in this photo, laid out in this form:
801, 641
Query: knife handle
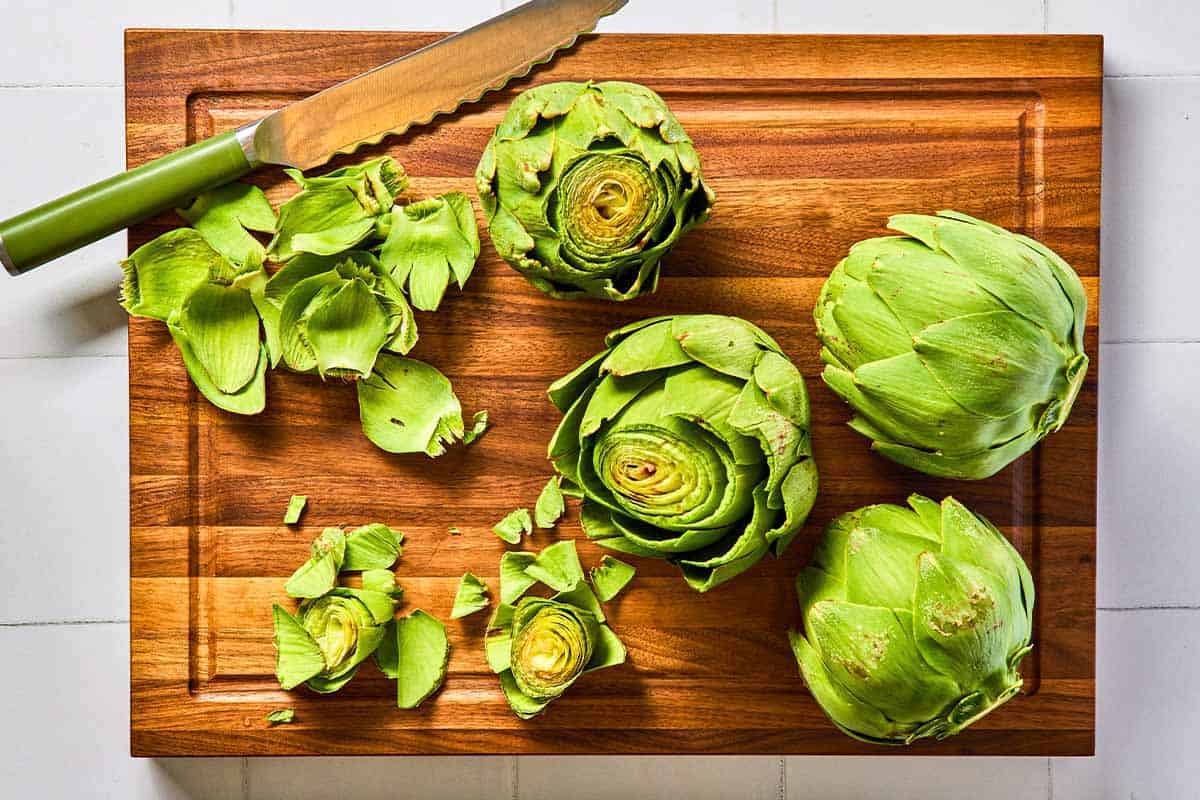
61, 226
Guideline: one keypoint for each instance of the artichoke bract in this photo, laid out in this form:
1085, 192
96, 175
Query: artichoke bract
689, 440
587, 186
333, 634
959, 345
915, 620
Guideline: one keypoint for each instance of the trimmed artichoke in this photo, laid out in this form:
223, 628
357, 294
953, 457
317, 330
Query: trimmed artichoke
587, 186
331, 636
959, 345
551, 644
915, 621
689, 439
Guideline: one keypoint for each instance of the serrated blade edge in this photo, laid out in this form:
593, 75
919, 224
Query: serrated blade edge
416, 88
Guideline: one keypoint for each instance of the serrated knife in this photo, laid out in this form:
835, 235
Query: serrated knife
390, 99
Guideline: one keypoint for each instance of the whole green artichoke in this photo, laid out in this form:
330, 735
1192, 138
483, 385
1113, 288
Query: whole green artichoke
688, 438
915, 621
959, 345
587, 186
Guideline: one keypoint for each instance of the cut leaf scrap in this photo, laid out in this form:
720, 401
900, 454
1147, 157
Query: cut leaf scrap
557, 566
550, 505
611, 577
295, 509
472, 596
374, 546
428, 243
423, 655
480, 424
514, 526
281, 716
407, 406
513, 578
225, 215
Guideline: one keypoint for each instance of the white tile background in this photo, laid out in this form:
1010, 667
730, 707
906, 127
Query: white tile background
63, 434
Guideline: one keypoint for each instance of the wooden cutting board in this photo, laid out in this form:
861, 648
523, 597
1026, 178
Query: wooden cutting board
810, 143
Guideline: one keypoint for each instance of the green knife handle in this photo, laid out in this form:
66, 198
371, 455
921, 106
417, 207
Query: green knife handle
47, 232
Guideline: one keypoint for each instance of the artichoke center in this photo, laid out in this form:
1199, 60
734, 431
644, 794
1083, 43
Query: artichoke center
607, 204
652, 471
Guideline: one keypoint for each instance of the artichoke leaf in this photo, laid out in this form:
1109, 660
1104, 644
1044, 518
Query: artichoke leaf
610, 578
374, 546
427, 242
472, 596
225, 215
295, 509
161, 274
221, 326
514, 581
407, 406
516, 524
250, 399
557, 566
297, 656
550, 505
424, 654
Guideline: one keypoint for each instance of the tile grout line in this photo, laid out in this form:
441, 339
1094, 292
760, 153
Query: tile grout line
514, 777
245, 778
1045, 16
782, 778
1049, 779
63, 357
62, 623
1128, 609
43, 86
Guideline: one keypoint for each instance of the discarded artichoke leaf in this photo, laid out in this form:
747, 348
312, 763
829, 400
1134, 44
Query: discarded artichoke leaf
550, 505
221, 326
347, 331
313, 578
472, 596
295, 509
250, 399
611, 577
164, 272
386, 656
427, 243
223, 216
454, 531
336, 211
297, 656
502, 617
522, 704
330, 541
557, 566
407, 406
480, 424
497, 649
382, 581
514, 526
281, 716
513, 578
374, 546
609, 651
424, 653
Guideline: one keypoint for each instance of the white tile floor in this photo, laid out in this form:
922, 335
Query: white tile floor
63, 449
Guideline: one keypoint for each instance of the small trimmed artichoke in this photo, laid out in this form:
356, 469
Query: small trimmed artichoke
915, 621
689, 439
587, 186
959, 345
331, 636
551, 645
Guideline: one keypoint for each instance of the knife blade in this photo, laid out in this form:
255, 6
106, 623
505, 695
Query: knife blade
412, 90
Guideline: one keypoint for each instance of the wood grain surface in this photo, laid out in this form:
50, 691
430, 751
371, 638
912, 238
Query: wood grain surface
810, 143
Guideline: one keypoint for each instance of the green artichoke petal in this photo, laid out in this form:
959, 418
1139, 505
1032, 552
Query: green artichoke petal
607, 650
1009, 270
727, 558
962, 624
514, 580
557, 566
646, 349
298, 306
814, 585
994, 364
798, 495
407, 406
967, 466
620, 544
225, 215
522, 704
565, 392
424, 654
871, 654
427, 242
611, 395
164, 272
373, 546
347, 331
612, 576
659, 540
250, 399
297, 655
726, 344
472, 596
697, 394
497, 649
881, 564
583, 597
331, 540
930, 514
871, 329
856, 718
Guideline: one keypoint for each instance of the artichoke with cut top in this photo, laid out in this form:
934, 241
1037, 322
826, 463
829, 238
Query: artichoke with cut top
324, 645
689, 440
915, 621
958, 345
586, 186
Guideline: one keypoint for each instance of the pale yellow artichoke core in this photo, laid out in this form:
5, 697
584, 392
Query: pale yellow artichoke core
607, 204
335, 630
654, 470
551, 650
